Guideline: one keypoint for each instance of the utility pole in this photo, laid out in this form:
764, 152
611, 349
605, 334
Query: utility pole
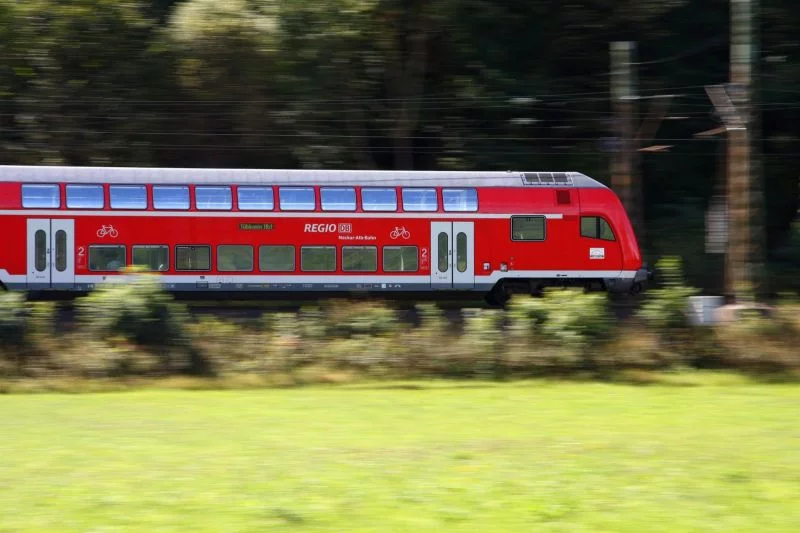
624, 166
733, 102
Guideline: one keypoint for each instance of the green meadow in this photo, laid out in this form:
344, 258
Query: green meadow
429, 456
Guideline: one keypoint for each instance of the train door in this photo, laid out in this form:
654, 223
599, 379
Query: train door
51, 254
453, 255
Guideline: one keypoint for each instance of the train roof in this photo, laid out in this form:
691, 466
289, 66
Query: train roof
130, 175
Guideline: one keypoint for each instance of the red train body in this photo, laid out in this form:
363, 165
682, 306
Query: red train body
206, 230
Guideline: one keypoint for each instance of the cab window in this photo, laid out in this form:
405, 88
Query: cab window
596, 228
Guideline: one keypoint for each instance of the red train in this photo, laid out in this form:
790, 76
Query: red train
310, 231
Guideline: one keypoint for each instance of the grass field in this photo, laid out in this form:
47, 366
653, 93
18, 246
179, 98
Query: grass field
437, 456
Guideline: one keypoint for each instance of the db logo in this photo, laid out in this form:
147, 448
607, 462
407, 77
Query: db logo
400, 231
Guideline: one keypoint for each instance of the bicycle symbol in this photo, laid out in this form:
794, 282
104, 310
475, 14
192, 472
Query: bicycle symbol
400, 232
107, 230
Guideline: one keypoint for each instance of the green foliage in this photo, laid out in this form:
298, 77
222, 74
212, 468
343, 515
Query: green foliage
14, 327
667, 307
567, 317
136, 309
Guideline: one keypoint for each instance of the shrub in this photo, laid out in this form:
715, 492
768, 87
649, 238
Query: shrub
666, 307
14, 327
139, 311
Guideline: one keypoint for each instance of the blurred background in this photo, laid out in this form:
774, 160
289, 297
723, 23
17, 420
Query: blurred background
436, 84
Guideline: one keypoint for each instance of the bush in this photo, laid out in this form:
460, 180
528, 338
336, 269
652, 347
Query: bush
667, 307
14, 332
138, 310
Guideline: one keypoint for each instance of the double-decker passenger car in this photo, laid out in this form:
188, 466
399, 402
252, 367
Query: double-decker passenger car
74, 228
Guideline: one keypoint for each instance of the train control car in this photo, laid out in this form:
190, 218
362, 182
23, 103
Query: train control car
313, 231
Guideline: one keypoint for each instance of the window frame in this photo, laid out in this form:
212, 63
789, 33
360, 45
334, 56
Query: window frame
297, 188
252, 187
94, 186
322, 191
207, 187
252, 257
436, 199
544, 228
360, 247
210, 262
470, 208
294, 256
150, 246
365, 206
94, 246
319, 246
111, 189
40, 185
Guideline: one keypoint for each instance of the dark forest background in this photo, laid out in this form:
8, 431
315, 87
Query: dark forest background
405, 84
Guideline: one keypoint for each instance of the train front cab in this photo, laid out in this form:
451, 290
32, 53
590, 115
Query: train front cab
606, 229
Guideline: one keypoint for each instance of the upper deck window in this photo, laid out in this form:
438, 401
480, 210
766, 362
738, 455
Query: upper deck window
375, 199
338, 198
255, 199
419, 199
128, 196
85, 197
42, 196
297, 198
213, 198
170, 197
460, 199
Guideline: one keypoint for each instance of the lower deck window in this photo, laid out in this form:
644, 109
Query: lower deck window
193, 258
359, 259
276, 258
400, 259
527, 228
318, 258
151, 258
106, 258
234, 258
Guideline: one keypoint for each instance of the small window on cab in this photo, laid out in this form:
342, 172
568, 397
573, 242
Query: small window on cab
213, 198
296, 198
378, 199
170, 197
85, 197
338, 198
528, 228
128, 196
596, 228
418, 199
255, 198
41, 196
460, 199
